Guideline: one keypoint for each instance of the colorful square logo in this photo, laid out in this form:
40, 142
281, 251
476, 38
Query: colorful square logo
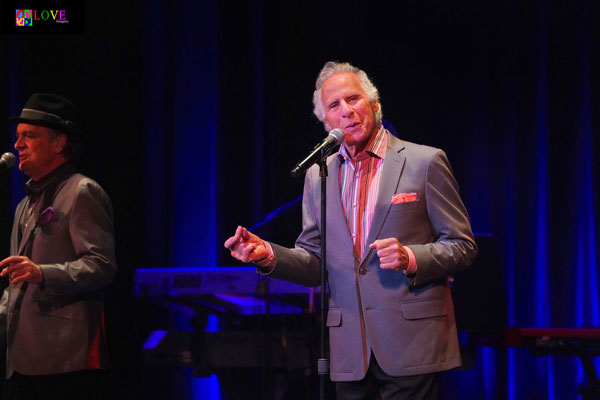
24, 18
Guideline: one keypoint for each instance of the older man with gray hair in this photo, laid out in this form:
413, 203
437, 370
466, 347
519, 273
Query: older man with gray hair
397, 230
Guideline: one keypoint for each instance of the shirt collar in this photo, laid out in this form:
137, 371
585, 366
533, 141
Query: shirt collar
376, 147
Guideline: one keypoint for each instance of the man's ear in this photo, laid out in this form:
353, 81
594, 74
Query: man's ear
375, 106
61, 143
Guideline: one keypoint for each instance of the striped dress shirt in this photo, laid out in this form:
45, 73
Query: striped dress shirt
359, 184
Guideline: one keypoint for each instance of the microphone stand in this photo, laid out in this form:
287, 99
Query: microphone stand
323, 362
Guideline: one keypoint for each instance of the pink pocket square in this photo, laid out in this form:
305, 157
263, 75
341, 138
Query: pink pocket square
404, 198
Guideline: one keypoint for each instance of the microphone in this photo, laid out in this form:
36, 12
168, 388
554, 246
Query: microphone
335, 137
7, 161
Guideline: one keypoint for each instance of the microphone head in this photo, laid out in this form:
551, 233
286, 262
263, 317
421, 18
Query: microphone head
8, 159
338, 134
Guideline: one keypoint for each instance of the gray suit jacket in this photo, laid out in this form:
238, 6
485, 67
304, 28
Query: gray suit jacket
58, 326
407, 323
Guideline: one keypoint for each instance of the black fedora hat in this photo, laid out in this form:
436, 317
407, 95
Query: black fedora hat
50, 110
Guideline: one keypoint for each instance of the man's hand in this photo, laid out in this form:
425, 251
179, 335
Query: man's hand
392, 255
21, 269
246, 246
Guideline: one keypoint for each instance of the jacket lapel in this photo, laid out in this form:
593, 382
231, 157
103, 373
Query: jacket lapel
30, 224
50, 192
335, 209
393, 166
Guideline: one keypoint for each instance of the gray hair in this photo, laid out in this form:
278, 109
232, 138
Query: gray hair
333, 67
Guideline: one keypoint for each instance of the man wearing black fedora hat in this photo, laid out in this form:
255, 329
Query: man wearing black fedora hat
62, 257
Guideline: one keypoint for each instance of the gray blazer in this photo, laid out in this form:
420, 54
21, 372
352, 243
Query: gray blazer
408, 324
58, 326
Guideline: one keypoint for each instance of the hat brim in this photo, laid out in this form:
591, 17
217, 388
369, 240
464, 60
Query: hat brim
47, 124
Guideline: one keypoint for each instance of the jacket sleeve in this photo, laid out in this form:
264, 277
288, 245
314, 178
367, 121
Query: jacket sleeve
92, 235
453, 247
302, 263
3, 332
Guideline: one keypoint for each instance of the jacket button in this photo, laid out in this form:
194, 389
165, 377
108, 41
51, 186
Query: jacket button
362, 270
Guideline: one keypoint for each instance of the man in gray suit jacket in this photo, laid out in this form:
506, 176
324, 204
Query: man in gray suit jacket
62, 257
397, 230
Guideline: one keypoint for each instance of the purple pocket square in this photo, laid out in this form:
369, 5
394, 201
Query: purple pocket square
47, 216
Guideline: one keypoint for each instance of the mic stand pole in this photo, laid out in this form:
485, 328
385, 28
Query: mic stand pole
323, 363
